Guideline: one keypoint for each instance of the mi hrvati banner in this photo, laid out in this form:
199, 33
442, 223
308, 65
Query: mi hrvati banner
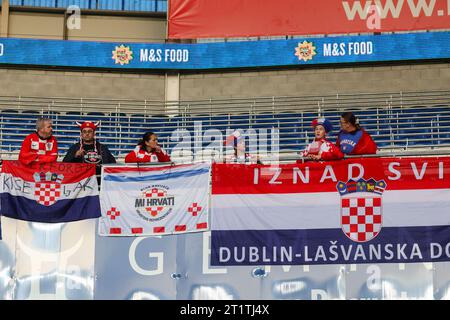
139, 200
373, 210
50, 192
191, 19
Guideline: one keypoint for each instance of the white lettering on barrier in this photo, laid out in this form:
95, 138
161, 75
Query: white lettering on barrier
363, 48
206, 255
352, 253
329, 174
1, 49
158, 255
176, 55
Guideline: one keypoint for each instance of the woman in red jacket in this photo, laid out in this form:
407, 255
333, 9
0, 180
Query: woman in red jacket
148, 150
352, 139
321, 148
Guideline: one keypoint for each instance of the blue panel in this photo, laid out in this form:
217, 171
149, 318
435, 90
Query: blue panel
110, 4
83, 4
139, 5
16, 2
161, 5
220, 55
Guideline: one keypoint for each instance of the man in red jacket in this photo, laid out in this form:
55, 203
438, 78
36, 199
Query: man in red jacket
40, 146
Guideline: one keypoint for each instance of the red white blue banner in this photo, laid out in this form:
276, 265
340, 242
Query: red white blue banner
139, 200
373, 210
52, 192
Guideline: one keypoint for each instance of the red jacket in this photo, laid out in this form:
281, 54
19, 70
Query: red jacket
327, 150
140, 155
362, 145
36, 149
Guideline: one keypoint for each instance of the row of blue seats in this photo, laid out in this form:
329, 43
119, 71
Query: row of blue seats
122, 131
122, 142
116, 5
285, 119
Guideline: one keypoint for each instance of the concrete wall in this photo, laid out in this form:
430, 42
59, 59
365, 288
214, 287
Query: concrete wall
323, 81
119, 28
40, 83
92, 27
32, 25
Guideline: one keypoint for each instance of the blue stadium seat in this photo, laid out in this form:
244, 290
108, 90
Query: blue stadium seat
96, 116
109, 5
220, 122
263, 120
140, 5
83, 4
239, 121
40, 3
138, 120
9, 115
161, 6
116, 5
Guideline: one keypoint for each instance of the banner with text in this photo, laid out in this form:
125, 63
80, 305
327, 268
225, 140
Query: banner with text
383, 210
224, 55
191, 19
49, 192
139, 200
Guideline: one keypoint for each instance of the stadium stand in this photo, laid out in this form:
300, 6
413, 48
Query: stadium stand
397, 121
110, 5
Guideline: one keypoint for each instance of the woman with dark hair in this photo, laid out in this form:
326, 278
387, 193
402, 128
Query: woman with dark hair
352, 139
148, 150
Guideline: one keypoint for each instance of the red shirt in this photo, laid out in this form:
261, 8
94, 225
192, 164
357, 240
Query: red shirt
36, 149
327, 150
140, 155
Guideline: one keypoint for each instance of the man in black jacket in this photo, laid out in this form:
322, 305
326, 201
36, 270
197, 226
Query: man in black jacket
88, 150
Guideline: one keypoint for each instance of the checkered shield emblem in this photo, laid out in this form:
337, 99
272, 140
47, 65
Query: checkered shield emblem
361, 210
361, 216
47, 193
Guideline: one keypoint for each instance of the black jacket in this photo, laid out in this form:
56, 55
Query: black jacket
103, 154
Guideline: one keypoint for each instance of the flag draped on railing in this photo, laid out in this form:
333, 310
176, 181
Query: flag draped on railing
374, 210
149, 200
51, 192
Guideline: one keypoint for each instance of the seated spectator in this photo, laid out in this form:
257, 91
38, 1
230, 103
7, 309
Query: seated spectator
147, 150
88, 150
352, 139
321, 148
40, 146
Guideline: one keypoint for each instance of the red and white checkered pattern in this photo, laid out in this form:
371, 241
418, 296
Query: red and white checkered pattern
194, 209
155, 193
113, 213
154, 210
361, 218
47, 193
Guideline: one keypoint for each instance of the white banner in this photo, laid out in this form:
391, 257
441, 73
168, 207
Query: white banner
142, 201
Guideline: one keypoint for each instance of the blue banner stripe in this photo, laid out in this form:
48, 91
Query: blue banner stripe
62, 211
329, 246
221, 55
155, 177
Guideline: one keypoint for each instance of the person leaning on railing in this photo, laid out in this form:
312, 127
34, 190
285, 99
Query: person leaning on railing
40, 146
89, 150
321, 148
352, 139
148, 150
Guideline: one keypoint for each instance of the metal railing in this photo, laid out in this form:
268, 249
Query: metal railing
403, 121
